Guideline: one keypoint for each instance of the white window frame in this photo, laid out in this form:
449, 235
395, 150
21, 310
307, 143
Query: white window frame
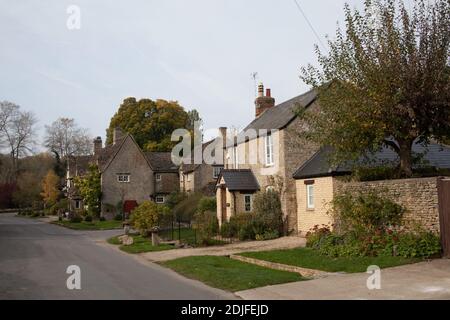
268, 150
250, 196
160, 197
158, 177
310, 196
123, 177
216, 172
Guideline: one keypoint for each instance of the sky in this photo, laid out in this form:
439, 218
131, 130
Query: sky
201, 53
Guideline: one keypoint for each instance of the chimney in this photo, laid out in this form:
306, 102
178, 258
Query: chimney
223, 134
98, 145
263, 102
117, 135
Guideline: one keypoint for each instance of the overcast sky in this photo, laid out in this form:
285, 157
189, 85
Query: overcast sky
199, 52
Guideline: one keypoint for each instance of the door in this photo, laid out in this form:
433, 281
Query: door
444, 214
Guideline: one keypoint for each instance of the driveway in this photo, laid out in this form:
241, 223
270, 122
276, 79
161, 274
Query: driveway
226, 250
34, 256
425, 280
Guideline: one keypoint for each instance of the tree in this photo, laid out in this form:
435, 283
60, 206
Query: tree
17, 131
147, 216
384, 82
89, 187
50, 189
66, 139
150, 122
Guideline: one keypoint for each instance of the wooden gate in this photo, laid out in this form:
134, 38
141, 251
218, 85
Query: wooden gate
444, 214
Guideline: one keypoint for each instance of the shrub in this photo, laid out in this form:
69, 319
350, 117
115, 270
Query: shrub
102, 218
268, 235
88, 218
118, 217
207, 226
175, 198
207, 204
267, 210
186, 209
147, 216
365, 211
76, 219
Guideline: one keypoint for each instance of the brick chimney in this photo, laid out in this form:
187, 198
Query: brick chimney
117, 135
98, 145
263, 102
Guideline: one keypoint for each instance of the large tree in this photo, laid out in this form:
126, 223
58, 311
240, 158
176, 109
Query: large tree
384, 81
65, 139
17, 131
150, 122
90, 189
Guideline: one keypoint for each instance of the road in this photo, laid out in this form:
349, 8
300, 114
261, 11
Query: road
34, 257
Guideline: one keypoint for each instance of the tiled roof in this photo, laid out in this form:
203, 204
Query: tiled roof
239, 179
161, 161
435, 155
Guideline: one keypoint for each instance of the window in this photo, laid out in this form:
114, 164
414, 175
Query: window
123, 177
159, 199
158, 177
268, 148
216, 172
236, 157
310, 196
248, 202
77, 204
188, 177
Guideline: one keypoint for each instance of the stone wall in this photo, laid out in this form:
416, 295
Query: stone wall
419, 196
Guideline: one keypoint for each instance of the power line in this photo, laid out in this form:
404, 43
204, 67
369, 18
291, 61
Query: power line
309, 23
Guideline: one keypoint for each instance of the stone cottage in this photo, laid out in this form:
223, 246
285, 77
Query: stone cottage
317, 183
128, 175
265, 155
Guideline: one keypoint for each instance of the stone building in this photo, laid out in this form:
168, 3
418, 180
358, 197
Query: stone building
128, 175
200, 177
317, 184
270, 149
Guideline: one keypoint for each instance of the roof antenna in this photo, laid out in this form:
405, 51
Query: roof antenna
254, 76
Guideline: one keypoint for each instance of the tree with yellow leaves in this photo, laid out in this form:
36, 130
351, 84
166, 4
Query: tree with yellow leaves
50, 191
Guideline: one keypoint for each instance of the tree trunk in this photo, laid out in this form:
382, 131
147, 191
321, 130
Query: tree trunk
405, 154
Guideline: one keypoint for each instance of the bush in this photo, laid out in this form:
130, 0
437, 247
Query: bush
147, 216
185, 210
76, 219
207, 204
267, 210
206, 225
365, 211
175, 198
102, 218
88, 218
118, 217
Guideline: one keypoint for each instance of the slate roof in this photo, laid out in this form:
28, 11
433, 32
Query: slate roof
435, 155
161, 161
239, 179
282, 114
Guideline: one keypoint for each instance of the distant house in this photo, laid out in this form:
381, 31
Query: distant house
281, 152
128, 175
317, 183
200, 177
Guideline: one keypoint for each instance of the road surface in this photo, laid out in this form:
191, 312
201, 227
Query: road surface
34, 257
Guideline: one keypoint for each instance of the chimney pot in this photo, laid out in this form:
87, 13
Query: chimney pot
98, 145
260, 90
268, 92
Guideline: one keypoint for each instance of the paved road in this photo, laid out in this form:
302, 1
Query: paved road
34, 257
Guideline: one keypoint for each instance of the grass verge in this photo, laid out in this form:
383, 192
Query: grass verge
309, 258
227, 274
140, 244
93, 225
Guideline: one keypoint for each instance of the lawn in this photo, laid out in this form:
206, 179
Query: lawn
140, 244
94, 225
228, 274
309, 258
